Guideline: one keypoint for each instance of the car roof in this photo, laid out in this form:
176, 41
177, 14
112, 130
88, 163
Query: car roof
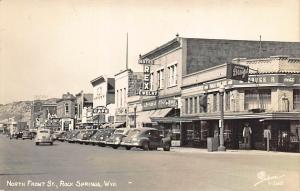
145, 128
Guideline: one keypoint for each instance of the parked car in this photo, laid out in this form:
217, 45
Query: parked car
115, 140
27, 135
43, 136
73, 136
147, 139
94, 138
105, 136
86, 136
57, 134
64, 136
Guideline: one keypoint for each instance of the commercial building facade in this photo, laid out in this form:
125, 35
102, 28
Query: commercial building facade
103, 100
127, 84
83, 109
44, 114
182, 57
270, 100
66, 111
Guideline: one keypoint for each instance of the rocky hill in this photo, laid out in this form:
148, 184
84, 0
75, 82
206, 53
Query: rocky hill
20, 111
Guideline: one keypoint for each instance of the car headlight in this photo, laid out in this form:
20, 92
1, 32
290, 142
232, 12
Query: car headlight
117, 138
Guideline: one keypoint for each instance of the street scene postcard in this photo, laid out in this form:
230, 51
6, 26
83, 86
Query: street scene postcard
149, 95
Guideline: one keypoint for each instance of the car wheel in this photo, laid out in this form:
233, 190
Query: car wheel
30, 138
115, 147
37, 143
167, 147
128, 148
51, 143
23, 138
145, 146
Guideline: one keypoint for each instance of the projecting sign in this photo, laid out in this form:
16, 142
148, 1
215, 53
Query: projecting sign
237, 72
100, 109
146, 84
145, 61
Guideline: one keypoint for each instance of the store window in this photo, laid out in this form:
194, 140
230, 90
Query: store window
257, 99
296, 99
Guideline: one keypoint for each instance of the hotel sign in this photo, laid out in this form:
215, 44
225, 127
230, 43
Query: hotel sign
237, 72
146, 83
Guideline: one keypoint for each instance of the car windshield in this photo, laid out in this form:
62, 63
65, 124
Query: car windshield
134, 132
44, 131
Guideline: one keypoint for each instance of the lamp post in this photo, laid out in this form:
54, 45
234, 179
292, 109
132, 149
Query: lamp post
221, 147
134, 107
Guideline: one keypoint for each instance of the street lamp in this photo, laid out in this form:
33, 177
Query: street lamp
221, 147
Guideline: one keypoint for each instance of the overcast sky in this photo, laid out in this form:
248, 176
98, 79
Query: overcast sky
49, 47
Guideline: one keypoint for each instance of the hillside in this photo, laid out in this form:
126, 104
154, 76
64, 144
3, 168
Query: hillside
20, 111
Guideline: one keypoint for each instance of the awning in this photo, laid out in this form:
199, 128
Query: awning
145, 116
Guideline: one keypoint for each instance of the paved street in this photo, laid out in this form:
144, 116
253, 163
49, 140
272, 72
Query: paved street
64, 166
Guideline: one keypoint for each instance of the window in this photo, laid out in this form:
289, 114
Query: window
296, 99
191, 105
215, 102
195, 104
117, 98
186, 106
172, 75
160, 76
202, 103
121, 100
124, 96
66, 108
227, 100
257, 99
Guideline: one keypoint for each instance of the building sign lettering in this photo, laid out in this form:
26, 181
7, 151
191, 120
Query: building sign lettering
237, 72
160, 104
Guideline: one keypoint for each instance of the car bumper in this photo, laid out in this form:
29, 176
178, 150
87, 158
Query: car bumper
132, 144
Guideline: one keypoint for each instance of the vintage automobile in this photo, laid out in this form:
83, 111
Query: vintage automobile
105, 136
72, 136
115, 140
27, 135
95, 138
43, 136
57, 134
147, 139
86, 136
64, 136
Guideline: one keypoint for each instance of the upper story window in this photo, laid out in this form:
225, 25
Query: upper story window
186, 106
215, 105
172, 75
160, 78
258, 99
227, 100
66, 108
296, 99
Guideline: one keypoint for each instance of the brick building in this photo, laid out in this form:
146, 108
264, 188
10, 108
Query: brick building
66, 111
270, 100
83, 109
181, 57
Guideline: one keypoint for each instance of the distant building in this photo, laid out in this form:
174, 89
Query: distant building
83, 109
127, 84
41, 112
66, 111
103, 100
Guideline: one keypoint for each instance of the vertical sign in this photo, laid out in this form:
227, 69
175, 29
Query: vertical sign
146, 84
237, 72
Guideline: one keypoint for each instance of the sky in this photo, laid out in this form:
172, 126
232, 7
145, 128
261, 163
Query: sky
50, 47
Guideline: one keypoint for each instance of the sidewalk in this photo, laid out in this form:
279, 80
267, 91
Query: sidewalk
243, 152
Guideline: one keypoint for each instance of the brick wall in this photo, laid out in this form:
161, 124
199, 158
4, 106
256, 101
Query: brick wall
205, 53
